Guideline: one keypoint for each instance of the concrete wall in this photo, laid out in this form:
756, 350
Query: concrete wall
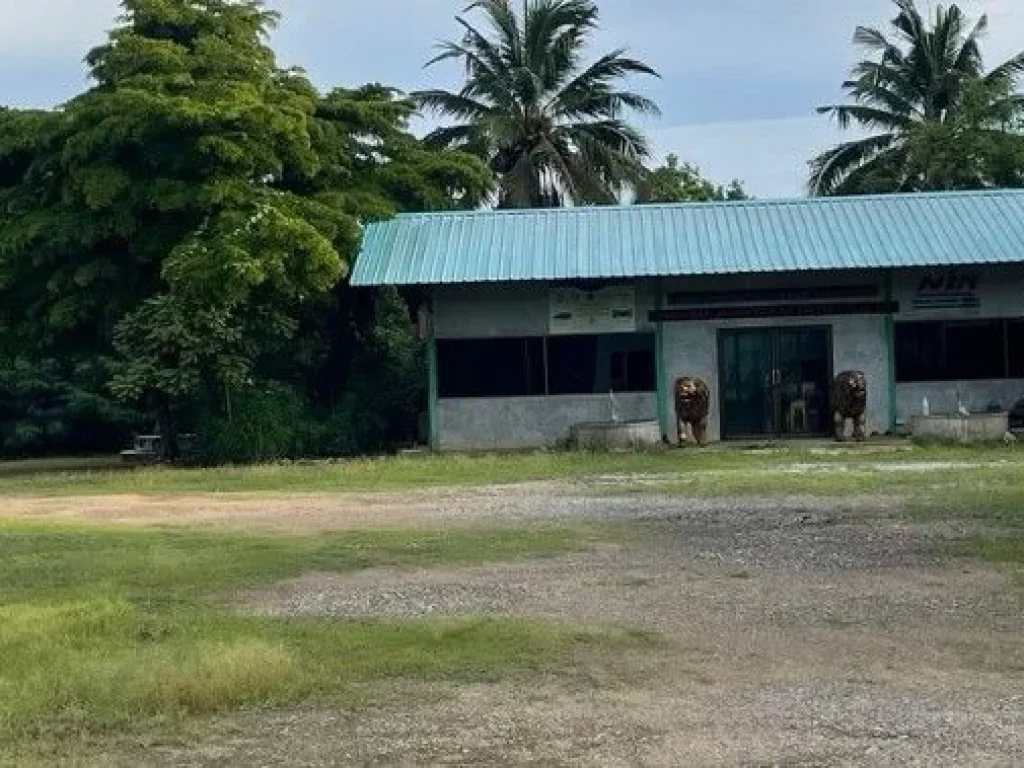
1000, 293
504, 310
942, 396
530, 422
858, 343
508, 309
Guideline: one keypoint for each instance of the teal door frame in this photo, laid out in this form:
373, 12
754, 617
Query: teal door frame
433, 399
659, 363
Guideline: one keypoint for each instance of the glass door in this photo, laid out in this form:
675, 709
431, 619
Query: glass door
747, 365
803, 362
775, 382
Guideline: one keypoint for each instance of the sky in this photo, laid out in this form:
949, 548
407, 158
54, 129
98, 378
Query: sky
739, 78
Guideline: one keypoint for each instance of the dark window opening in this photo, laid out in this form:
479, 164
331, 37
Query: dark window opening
951, 351
1015, 348
557, 365
491, 368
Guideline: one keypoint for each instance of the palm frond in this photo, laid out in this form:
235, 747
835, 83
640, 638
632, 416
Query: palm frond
592, 86
554, 33
447, 103
1008, 74
452, 136
876, 175
829, 169
868, 117
505, 24
969, 57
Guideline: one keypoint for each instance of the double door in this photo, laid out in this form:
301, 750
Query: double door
775, 381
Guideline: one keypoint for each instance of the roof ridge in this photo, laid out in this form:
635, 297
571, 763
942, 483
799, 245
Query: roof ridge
774, 202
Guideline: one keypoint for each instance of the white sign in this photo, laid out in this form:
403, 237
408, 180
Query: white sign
610, 310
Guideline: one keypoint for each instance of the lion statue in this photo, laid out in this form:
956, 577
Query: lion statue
693, 404
850, 401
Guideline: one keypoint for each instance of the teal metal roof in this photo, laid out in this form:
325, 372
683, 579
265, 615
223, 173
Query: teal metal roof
695, 239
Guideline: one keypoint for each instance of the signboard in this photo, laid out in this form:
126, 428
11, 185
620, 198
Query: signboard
945, 291
609, 310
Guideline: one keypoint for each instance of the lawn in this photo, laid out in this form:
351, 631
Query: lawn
114, 635
124, 636
431, 471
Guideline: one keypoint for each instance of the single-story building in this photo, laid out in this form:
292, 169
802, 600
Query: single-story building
535, 316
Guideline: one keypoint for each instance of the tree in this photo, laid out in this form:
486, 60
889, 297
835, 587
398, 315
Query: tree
186, 213
677, 182
551, 129
937, 119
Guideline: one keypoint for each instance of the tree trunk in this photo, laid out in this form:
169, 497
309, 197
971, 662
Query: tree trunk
168, 428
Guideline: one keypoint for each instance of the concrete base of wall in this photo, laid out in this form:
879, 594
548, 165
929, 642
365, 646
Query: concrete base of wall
515, 423
615, 436
976, 428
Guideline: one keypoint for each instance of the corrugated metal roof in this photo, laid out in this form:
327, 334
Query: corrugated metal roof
695, 239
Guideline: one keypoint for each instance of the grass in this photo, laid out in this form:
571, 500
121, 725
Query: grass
432, 471
108, 635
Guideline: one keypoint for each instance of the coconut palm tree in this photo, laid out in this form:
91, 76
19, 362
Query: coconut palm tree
551, 128
934, 118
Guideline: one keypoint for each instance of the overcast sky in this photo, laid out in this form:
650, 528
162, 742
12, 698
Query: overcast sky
740, 78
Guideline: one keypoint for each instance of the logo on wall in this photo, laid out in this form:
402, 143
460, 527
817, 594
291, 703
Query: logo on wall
608, 310
952, 290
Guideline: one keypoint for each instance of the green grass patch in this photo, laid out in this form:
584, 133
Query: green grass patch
432, 471
995, 549
172, 564
114, 634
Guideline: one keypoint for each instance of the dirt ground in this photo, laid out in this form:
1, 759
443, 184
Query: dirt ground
792, 632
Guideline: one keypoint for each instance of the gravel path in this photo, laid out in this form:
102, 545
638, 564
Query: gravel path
797, 632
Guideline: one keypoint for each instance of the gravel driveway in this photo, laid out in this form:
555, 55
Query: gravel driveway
797, 632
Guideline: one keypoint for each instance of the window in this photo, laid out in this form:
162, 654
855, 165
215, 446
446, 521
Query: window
491, 368
951, 351
557, 365
1015, 348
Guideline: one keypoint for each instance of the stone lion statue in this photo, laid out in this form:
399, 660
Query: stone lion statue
693, 404
850, 401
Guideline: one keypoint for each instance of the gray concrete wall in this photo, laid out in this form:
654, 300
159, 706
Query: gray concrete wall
942, 396
999, 289
508, 309
858, 343
495, 424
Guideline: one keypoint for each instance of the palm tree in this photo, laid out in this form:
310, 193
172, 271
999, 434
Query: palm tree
552, 130
926, 100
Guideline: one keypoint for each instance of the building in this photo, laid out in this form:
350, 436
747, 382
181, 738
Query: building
535, 316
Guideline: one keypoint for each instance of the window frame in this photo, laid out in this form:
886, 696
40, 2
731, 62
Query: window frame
607, 346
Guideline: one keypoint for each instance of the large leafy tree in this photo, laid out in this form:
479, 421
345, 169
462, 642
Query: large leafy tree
185, 214
678, 182
935, 118
551, 127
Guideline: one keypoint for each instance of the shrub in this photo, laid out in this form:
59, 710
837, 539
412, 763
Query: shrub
266, 422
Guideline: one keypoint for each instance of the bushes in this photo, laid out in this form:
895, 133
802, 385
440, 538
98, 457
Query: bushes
376, 410
266, 422
386, 388
52, 407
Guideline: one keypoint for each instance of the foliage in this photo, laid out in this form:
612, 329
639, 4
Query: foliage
192, 215
677, 182
386, 391
57, 407
551, 128
938, 120
264, 421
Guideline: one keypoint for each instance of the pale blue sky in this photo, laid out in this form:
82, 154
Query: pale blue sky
740, 77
